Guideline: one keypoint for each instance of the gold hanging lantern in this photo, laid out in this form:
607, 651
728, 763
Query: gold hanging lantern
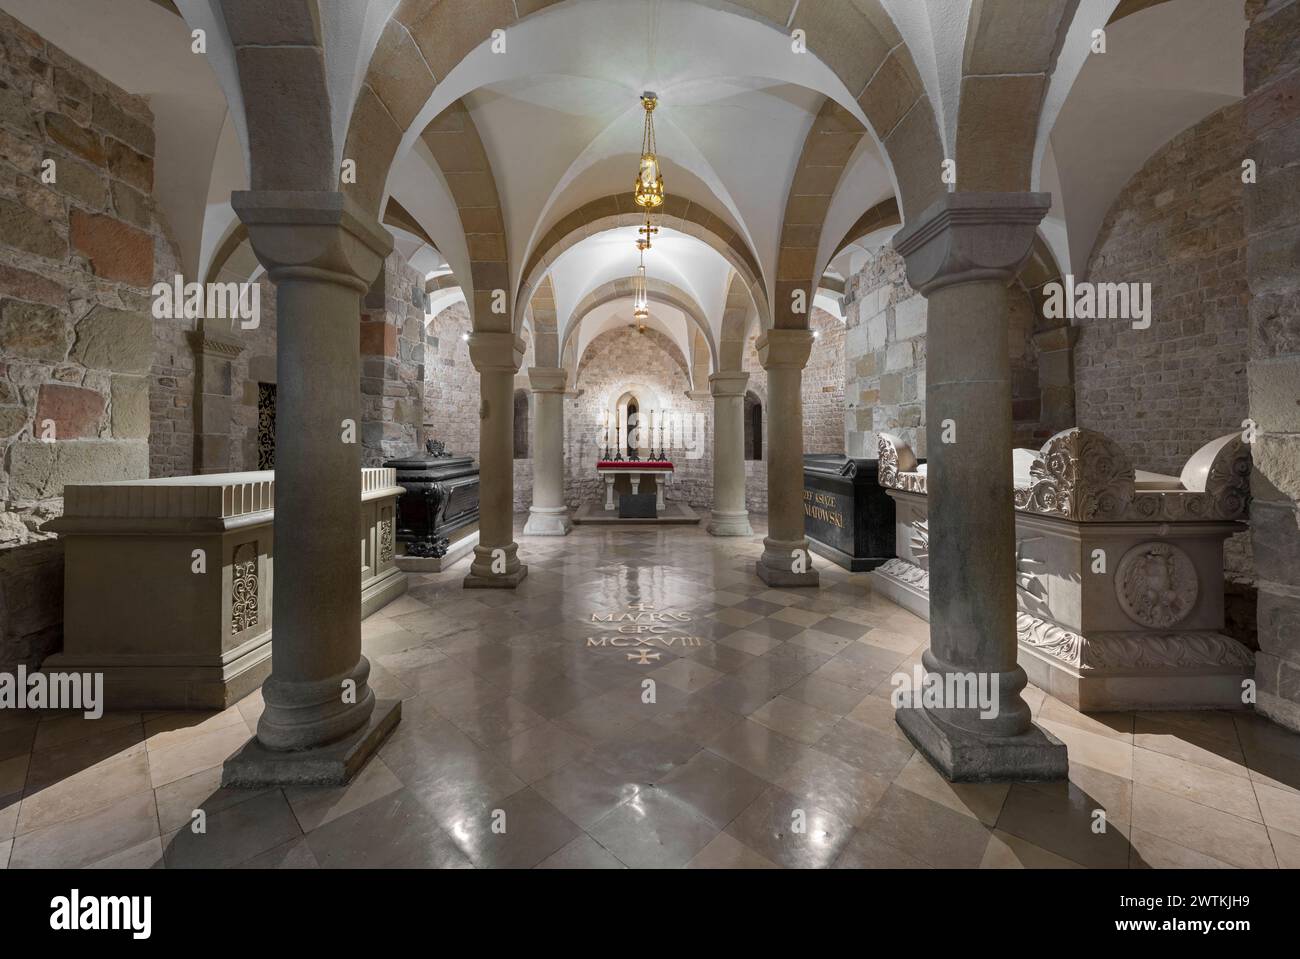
649, 191
640, 297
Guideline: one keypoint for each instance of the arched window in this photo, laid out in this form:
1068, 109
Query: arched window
633, 421
521, 424
753, 427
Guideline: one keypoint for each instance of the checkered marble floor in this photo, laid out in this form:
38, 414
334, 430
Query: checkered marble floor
525, 741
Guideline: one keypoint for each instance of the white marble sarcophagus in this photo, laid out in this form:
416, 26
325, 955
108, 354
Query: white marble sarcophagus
168, 583
1119, 572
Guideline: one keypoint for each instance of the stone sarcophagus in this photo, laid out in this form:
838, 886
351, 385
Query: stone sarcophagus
848, 518
437, 514
168, 583
1119, 572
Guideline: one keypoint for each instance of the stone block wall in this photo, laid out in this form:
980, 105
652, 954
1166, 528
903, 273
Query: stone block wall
91, 385
392, 363
884, 359
451, 394
884, 356
1178, 224
612, 362
1272, 238
823, 386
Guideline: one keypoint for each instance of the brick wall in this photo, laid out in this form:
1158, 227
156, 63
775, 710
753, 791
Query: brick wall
83, 363
1162, 392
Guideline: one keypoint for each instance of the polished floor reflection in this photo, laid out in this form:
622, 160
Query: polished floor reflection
529, 738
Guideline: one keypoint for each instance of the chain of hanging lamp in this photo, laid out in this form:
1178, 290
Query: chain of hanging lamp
649, 189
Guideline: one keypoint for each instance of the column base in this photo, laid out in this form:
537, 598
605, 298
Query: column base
548, 521
729, 524
785, 577
963, 757
776, 566
482, 575
334, 764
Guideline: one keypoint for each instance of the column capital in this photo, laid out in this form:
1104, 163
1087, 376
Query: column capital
728, 383
780, 349
698, 395
545, 379
310, 233
496, 352
966, 237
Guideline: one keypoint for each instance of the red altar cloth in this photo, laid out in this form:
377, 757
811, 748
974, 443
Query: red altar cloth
643, 465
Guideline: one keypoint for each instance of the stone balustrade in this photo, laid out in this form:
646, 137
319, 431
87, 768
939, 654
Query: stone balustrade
1119, 572
168, 583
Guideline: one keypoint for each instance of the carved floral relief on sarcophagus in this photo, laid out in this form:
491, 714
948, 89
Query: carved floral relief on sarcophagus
1119, 572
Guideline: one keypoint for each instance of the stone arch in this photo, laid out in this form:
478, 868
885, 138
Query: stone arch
879, 70
619, 210
423, 42
657, 291
454, 141
884, 214
280, 61
736, 316
1011, 51
546, 350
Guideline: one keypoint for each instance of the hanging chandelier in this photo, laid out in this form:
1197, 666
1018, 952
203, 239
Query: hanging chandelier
640, 297
649, 192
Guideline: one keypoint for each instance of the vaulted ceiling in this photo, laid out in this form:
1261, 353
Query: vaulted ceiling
558, 122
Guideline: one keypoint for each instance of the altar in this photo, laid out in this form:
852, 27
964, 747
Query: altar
660, 471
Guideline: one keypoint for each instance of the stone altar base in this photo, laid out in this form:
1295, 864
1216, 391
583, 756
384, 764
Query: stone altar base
255, 766
673, 513
457, 551
1033, 756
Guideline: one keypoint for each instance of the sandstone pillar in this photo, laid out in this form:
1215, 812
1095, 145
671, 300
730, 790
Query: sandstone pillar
786, 559
548, 516
1272, 208
729, 516
961, 254
497, 357
321, 720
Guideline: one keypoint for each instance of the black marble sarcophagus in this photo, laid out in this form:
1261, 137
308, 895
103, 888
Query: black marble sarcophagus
848, 517
441, 497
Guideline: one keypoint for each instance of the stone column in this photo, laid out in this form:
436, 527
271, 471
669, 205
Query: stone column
786, 560
321, 720
961, 254
548, 516
729, 516
497, 357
